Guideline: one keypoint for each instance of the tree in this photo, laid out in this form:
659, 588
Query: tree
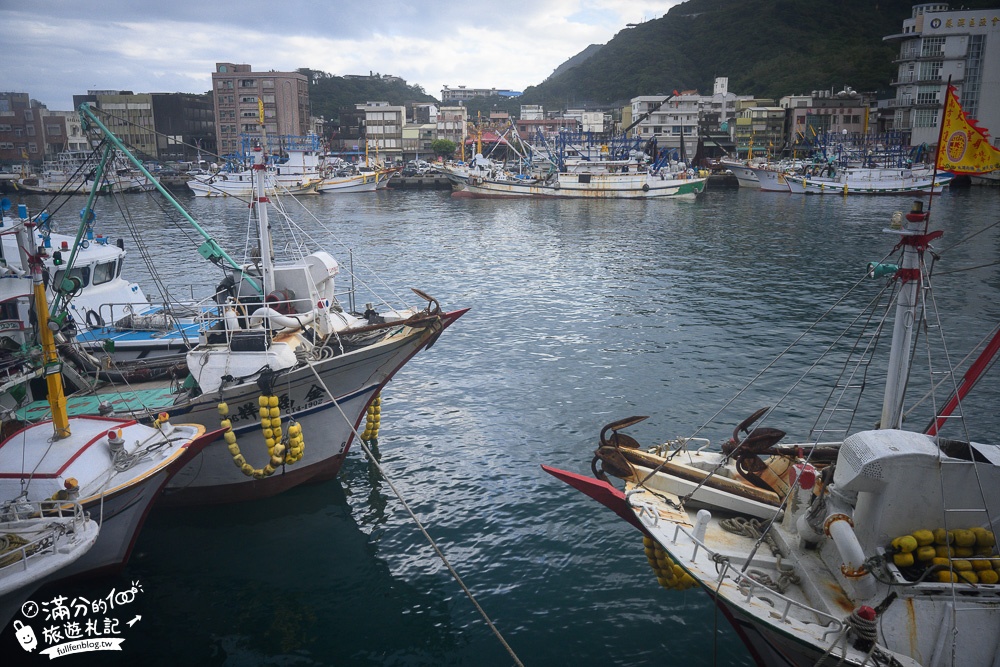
444, 147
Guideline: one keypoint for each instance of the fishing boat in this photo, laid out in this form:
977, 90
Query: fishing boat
581, 184
283, 360
743, 170
39, 540
74, 171
294, 167
870, 181
114, 468
874, 547
105, 306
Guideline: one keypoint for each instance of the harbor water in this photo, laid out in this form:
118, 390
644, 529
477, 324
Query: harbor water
582, 312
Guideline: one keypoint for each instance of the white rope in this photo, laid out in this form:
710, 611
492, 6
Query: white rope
430, 540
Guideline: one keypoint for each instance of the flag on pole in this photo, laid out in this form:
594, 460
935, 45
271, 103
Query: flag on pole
260, 110
964, 147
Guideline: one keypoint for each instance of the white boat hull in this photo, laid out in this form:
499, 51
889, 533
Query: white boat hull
593, 186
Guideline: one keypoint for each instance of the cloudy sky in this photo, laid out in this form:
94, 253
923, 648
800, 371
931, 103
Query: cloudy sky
54, 49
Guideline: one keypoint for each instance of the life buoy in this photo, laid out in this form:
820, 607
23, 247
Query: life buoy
94, 319
645, 187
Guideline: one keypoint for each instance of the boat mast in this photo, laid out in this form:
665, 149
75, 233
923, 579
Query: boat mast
914, 239
259, 203
263, 225
50, 358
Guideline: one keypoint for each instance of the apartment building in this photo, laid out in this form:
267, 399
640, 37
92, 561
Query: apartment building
451, 124
937, 44
237, 92
383, 132
21, 131
463, 94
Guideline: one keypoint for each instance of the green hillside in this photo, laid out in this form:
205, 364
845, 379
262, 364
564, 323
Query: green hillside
767, 48
328, 93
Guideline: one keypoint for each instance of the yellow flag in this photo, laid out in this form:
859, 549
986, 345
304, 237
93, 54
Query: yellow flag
965, 148
260, 110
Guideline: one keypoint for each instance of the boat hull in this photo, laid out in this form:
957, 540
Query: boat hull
866, 186
328, 427
585, 186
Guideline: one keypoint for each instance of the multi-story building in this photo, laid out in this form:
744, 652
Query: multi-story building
128, 115
158, 126
417, 140
185, 126
760, 130
532, 112
21, 129
384, 130
451, 124
237, 92
824, 112
675, 121
936, 45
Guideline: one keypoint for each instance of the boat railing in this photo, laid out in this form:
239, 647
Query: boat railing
37, 515
747, 585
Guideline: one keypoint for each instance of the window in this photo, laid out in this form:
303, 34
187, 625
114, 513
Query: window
32, 147
81, 273
930, 70
267, 83
104, 272
248, 83
226, 84
928, 94
5, 128
28, 114
30, 130
53, 130
932, 46
925, 118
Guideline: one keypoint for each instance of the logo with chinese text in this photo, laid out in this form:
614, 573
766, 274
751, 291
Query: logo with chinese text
78, 625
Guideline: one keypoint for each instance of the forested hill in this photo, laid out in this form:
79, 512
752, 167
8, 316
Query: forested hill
767, 48
328, 93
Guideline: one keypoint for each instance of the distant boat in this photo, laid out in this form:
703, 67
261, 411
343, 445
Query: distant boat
75, 171
581, 184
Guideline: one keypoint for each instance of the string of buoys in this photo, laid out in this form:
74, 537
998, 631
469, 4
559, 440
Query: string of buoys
373, 418
668, 573
958, 556
280, 450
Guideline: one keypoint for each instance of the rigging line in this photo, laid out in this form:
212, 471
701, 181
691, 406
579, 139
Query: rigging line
968, 268
961, 363
346, 247
427, 536
795, 342
968, 238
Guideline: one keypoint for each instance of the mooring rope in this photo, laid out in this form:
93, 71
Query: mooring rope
427, 536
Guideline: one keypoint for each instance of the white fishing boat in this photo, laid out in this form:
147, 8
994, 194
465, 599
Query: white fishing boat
283, 360
76, 171
38, 540
870, 181
604, 185
114, 468
104, 307
743, 170
872, 548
